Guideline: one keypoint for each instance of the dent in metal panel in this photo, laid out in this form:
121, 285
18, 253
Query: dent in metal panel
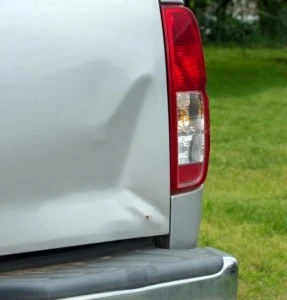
185, 219
84, 123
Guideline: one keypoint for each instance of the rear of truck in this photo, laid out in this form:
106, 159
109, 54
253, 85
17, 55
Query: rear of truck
104, 149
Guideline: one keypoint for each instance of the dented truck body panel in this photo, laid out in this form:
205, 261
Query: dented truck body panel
84, 145
85, 155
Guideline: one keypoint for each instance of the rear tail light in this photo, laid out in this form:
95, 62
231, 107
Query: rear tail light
188, 102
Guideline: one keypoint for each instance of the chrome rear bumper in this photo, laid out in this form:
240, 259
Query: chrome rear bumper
142, 273
221, 285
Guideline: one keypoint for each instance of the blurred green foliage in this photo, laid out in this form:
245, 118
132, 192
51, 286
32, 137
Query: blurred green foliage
245, 195
262, 22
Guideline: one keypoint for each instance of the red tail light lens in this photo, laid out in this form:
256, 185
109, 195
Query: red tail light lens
188, 101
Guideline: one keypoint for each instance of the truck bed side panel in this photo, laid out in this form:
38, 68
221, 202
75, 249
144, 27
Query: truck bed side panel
84, 149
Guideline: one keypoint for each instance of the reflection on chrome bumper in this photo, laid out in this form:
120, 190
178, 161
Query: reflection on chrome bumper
222, 285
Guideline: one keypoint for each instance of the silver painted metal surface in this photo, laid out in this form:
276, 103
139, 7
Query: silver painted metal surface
222, 285
185, 219
84, 146
172, 1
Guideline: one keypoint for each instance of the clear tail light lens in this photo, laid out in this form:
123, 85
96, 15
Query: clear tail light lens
190, 128
188, 102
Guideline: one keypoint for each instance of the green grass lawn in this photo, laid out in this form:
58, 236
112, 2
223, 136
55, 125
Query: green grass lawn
245, 202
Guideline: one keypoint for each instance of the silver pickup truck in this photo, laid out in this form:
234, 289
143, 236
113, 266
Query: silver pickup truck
104, 149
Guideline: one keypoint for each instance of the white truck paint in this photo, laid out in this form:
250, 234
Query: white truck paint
84, 145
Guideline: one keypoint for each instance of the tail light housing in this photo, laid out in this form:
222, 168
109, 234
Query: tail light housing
188, 101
